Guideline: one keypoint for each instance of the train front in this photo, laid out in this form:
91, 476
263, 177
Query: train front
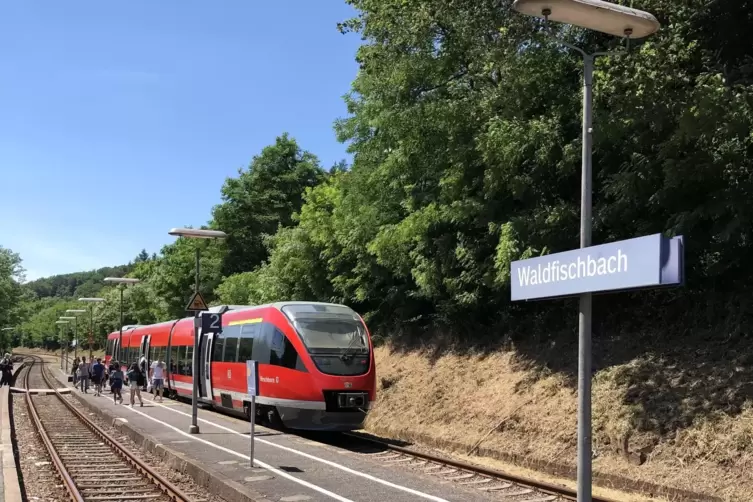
341, 361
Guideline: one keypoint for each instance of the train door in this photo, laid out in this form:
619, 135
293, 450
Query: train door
144, 352
205, 372
116, 349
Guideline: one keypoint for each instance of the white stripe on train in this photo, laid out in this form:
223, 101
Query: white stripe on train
269, 401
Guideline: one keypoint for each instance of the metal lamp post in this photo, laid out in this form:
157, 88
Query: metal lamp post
122, 281
62, 347
76, 313
91, 302
619, 21
195, 233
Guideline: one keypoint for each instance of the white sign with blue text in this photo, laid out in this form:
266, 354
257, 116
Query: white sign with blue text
650, 261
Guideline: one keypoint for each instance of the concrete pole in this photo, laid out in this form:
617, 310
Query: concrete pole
194, 428
584, 316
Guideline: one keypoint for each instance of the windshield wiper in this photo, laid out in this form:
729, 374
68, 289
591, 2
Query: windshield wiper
347, 355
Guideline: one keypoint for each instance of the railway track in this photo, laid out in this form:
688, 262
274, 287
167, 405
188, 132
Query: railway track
498, 485
92, 464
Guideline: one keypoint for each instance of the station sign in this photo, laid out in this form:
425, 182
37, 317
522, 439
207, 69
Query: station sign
642, 262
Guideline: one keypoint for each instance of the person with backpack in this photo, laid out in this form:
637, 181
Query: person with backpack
135, 380
98, 374
116, 382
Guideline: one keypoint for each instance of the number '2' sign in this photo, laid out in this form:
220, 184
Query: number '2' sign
211, 322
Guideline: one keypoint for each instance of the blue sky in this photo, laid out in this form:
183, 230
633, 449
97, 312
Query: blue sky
120, 120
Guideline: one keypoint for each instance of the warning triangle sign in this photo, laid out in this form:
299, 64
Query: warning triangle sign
197, 302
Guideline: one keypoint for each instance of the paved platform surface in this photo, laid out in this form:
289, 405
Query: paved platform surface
10, 489
287, 468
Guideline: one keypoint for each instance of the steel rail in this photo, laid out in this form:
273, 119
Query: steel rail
541, 486
165, 486
64, 474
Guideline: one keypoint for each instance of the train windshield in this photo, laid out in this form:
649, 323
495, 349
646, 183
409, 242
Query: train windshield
330, 331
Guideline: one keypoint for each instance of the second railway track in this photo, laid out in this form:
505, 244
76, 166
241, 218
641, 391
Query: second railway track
92, 464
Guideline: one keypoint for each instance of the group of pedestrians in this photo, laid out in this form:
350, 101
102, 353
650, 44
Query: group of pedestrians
135, 377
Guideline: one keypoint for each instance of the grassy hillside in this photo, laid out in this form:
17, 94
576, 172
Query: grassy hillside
671, 410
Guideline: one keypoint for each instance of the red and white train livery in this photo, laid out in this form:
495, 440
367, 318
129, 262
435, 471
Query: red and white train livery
316, 362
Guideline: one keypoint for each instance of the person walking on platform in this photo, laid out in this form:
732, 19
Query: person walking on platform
6, 366
135, 381
158, 379
116, 382
98, 374
142, 367
83, 375
74, 369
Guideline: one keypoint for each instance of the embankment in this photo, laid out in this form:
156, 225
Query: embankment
679, 415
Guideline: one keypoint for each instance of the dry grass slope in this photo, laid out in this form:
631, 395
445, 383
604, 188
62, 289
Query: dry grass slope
658, 417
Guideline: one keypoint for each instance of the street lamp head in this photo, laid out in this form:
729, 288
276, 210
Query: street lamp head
197, 233
122, 280
596, 15
93, 300
70, 318
61, 322
75, 311
7, 329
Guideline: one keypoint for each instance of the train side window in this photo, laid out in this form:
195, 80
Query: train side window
246, 343
245, 349
277, 345
283, 352
262, 342
188, 361
231, 350
174, 360
219, 346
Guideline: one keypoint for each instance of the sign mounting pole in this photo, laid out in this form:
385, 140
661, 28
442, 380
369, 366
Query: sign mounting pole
252, 381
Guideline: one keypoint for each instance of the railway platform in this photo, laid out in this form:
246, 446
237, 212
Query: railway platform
10, 490
287, 468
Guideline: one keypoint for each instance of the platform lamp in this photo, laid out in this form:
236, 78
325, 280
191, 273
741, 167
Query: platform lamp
619, 21
76, 313
62, 347
91, 302
122, 282
196, 233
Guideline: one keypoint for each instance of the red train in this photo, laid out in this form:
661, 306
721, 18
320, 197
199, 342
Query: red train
316, 362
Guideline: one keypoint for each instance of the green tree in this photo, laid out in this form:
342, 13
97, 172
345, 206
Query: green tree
261, 199
11, 292
172, 277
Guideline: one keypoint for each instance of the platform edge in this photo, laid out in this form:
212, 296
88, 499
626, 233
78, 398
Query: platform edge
212, 481
11, 485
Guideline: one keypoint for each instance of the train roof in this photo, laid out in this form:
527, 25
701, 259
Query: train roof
237, 308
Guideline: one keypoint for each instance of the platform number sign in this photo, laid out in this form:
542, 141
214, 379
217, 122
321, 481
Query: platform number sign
211, 322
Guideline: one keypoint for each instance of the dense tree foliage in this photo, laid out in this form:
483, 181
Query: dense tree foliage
11, 294
263, 198
77, 284
464, 125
